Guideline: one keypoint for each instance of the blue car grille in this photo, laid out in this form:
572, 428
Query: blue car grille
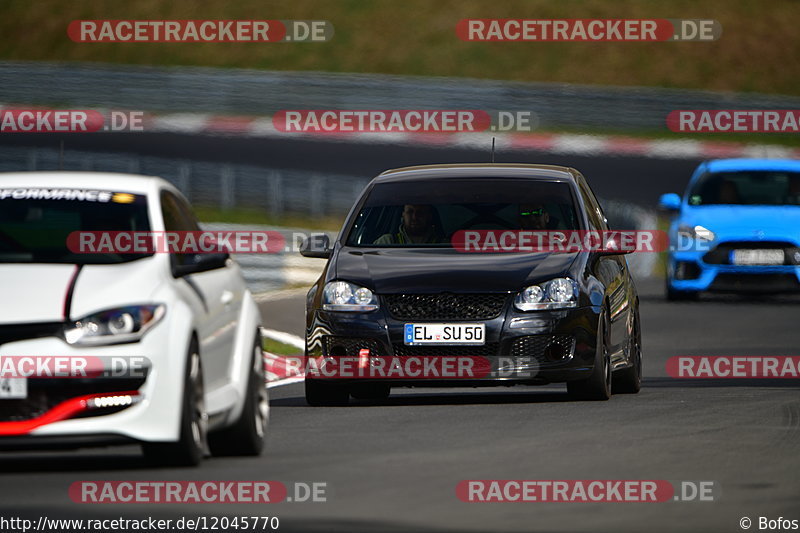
721, 254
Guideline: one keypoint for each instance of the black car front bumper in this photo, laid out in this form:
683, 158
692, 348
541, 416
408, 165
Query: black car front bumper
533, 347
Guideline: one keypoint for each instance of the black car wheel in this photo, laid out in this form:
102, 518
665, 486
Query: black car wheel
192, 444
321, 393
598, 385
246, 437
629, 380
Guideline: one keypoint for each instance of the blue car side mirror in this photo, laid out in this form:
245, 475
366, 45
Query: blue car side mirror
670, 202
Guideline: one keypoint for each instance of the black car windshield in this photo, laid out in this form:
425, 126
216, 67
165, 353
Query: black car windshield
747, 188
35, 223
428, 213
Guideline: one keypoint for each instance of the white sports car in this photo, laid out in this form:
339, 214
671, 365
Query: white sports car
177, 335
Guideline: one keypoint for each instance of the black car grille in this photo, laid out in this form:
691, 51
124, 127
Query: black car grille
46, 393
544, 348
350, 346
487, 350
445, 306
19, 332
755, 282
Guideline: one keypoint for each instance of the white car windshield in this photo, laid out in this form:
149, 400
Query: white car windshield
35, 223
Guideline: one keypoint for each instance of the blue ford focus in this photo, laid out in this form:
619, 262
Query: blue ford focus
736, 229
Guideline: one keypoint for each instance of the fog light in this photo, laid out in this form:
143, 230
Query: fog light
686, 270
119, 400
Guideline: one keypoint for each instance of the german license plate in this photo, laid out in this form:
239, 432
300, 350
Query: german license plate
473, 334
757, 257
13, 388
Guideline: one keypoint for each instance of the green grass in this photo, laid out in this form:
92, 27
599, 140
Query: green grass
279, 348
757, 52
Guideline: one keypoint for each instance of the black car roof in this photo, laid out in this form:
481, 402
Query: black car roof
465, 170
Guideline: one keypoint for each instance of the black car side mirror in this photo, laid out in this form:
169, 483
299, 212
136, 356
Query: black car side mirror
316, 245
200, 263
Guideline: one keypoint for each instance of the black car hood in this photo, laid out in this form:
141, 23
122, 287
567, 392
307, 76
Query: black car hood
405, 270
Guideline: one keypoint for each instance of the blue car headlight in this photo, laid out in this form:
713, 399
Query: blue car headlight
696, 232
559, 293
114, 326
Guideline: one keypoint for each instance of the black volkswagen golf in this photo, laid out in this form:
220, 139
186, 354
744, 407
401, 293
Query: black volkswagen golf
402, 302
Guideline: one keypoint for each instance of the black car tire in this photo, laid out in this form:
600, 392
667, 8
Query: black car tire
192, 444
370, 391
598, 385
629, 380
246, 437
320, 393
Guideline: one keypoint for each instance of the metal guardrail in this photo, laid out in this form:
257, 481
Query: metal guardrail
255, 92
225, 185
267, 272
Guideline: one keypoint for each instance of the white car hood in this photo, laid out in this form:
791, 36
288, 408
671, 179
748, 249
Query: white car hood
38, 292
105, 286
33, 292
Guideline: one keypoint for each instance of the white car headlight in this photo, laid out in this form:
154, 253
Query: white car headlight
559, 293
696, 232
114, 326
346, 296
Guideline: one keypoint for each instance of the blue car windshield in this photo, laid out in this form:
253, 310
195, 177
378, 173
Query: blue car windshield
762, 187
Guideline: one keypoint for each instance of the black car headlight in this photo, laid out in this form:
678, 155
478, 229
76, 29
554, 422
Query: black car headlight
559, 293
346, 296
114, 326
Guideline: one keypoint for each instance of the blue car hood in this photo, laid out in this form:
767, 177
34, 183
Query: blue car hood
770, 222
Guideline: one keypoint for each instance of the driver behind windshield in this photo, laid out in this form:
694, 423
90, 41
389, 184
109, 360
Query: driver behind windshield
533, 217
417, 226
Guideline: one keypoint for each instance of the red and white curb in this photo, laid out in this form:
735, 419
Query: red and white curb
555, 143
208, 124
278, 372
